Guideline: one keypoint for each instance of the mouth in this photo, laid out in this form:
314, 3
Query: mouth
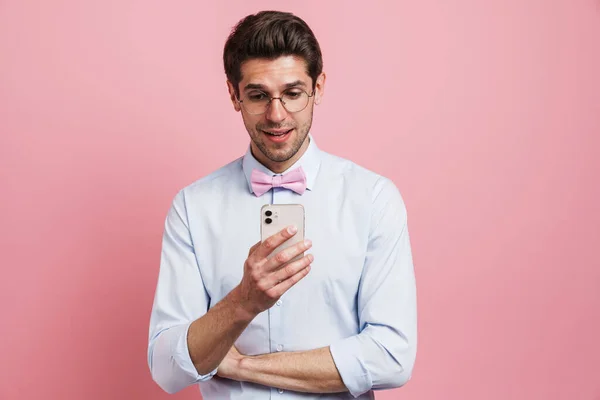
277, 136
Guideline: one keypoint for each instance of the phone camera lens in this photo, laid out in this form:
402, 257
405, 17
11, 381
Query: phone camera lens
268, 213
268, 220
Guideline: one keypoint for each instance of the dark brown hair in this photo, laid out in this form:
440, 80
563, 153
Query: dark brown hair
271, 34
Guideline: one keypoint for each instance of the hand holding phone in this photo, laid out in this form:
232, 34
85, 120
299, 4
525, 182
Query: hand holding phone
277, 262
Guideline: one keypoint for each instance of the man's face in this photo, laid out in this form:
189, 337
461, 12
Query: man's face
277, 135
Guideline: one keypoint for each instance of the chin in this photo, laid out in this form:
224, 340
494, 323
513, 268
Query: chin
280, 156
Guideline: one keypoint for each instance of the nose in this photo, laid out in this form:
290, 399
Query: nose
275, 111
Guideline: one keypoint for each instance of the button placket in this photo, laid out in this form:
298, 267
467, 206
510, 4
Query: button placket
276, 329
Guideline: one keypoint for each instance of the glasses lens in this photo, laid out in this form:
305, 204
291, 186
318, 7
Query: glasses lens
255, 102
295, 100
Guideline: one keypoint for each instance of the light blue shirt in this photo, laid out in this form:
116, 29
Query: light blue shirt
359, 297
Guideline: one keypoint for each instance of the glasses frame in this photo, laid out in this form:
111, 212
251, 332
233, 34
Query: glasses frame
280, 99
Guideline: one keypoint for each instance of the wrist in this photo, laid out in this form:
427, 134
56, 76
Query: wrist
231, 366
244, 368
240, 308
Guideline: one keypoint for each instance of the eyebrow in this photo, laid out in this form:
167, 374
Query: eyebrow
263, 88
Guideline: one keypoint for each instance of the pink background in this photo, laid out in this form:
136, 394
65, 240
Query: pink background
486, 114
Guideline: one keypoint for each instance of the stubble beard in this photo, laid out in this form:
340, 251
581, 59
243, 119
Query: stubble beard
279, 156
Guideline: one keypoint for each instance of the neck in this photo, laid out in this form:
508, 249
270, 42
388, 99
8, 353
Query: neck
279, 167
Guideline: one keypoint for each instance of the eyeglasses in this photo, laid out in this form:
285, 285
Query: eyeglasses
293, 100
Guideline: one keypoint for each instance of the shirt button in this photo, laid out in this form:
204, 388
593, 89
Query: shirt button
280, 391
279, 347
278, 302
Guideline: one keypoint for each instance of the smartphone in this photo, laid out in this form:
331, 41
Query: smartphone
275, 217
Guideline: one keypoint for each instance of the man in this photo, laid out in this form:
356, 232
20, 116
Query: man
339, 322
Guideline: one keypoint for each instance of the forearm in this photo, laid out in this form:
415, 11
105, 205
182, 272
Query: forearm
310, 371
211, 336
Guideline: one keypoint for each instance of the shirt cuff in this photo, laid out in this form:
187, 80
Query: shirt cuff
181, 355
348, 359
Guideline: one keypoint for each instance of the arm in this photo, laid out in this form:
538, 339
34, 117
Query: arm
310, 371
382, 355
187, 341
181, 298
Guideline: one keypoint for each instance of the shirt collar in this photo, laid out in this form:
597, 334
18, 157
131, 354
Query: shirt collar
310, 162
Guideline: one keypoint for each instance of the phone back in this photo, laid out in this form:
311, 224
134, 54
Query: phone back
275, 217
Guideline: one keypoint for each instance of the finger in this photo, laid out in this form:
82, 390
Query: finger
286, 255
289, 270
279, 289
253, 248
272, 242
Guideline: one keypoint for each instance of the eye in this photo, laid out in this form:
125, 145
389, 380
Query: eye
293, 94
257, 96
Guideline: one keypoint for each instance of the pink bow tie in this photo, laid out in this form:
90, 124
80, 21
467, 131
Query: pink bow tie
294, 180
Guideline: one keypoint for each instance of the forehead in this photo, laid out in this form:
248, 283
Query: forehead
275, 73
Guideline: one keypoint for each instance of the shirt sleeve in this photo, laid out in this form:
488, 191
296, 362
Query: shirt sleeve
180, 298
382, 355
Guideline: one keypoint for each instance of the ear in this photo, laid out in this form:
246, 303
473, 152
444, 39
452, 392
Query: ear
233, 97
320, 88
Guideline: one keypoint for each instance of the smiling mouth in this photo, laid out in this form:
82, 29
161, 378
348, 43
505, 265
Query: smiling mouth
276, 133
